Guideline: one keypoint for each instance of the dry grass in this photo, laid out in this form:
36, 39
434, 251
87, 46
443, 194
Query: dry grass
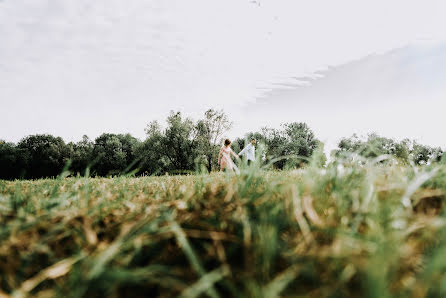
342, 231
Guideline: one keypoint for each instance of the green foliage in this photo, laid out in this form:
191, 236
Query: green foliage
114, 153
168, 150
44, 155
422, 154
289, 147
183, 145
12, 161
81, 155
209, 134
405, 151
150, 152
178, 143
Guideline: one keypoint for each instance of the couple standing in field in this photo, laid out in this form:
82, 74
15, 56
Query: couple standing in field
225, 160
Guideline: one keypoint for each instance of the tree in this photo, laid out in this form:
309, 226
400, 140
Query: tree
152, 159
373, 147
45, 155
81, 155
178, 142
129, 145
171, 150
209, 132
12, 161
404, 151
300, 142
291, 146
264, 141
110, 157
422, 154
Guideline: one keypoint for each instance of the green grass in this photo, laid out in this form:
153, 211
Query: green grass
367, 230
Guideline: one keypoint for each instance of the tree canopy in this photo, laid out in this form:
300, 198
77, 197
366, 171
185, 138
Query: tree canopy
288, 147
182, 145
405, 151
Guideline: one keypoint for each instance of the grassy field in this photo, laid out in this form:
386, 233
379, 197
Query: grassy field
368, 230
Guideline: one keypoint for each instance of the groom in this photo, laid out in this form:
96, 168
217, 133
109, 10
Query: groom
249, 151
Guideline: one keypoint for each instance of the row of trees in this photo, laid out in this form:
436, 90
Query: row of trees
181, 147
405, 151
288, 147
39, 156
184, 145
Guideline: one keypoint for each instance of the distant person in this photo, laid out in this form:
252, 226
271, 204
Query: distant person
224, 158
249, 151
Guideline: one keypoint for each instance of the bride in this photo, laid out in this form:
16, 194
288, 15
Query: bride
224, 157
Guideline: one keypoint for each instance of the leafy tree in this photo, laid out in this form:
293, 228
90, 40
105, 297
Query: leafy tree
81, 155
114, 153
45, 155
111, 159
208, 135
405, 151
152, 159
263, 139
292, 145
300, 142
171, 150
12, 161
373, 147
422, 154
129, 146
238, 144
178, 142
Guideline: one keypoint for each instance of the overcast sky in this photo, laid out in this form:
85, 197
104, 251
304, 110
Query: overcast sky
75, 67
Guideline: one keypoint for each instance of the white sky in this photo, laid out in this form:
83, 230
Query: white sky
74, 67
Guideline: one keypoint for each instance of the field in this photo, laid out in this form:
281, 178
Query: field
347, 230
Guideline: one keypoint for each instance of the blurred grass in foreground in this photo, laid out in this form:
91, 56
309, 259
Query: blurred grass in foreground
347, 230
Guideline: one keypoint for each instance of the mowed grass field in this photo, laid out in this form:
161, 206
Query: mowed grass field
367, 230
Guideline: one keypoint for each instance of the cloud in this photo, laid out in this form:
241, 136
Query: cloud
136, 60
400, 93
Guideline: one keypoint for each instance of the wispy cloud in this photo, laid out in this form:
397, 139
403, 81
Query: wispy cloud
108, 59
400, 93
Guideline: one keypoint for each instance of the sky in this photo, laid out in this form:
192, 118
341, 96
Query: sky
75, 67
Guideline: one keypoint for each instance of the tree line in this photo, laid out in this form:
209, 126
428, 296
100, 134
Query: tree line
182, 146
185, 146
405, 151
